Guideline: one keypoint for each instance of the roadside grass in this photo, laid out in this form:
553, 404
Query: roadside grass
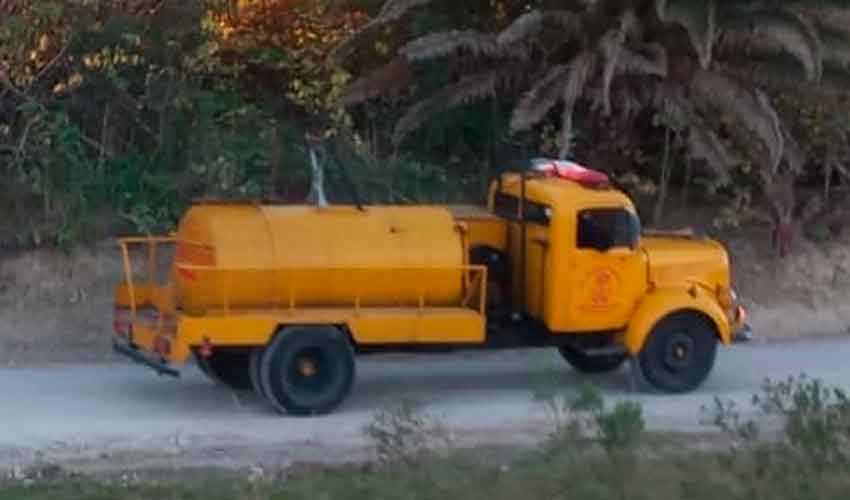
594, 452
700, 476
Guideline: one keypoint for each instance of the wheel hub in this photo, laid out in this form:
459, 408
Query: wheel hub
307, 367
679, 352
309, 373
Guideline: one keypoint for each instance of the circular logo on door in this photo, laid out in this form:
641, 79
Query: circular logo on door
601, 289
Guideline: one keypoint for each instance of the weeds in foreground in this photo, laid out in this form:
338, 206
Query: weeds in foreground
404, 433
584, 417
814, 420
581, 423
810, 444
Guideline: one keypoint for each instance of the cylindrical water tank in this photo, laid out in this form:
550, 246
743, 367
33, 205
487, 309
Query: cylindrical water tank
241, 255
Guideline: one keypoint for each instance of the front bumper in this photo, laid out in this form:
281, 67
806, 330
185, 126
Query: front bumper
743, 334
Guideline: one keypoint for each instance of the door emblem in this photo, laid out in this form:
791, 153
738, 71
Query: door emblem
601, 290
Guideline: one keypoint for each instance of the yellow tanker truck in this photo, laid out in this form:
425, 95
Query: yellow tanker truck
279, 299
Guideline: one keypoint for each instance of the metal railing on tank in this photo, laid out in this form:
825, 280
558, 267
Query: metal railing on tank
473, 278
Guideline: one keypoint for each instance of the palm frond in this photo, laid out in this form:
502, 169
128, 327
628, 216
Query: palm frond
582, 68
702, 141
611, 46
793, 33
391, 11
726, 96
792, 153
523, 26
699, 19
393, 76
775, 123
467, 89
831, 18
542, 97
444, 43
836, 47
628, 100
568, 22
395, 9
634, 62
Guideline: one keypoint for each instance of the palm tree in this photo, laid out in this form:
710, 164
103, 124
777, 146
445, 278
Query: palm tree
623, 57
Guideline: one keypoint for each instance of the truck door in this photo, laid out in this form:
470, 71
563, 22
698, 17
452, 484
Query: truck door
528, 275
607, 269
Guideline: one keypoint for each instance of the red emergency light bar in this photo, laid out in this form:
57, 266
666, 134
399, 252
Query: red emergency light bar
573, 172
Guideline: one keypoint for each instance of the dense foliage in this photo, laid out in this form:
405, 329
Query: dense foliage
115, 113
611, 65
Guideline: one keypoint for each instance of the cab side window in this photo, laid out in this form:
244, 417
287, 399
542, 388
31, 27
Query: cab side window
507, 206
606, 228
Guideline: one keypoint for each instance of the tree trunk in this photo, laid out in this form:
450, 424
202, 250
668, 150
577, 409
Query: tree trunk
665, 180
779, 191
827, 179
275, 164
687, 184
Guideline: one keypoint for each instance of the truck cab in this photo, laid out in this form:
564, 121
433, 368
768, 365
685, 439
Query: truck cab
576, 270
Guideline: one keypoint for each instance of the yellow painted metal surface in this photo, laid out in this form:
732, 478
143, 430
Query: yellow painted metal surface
678, 260
146, 295
573, 290
383, 256
373, 326
663, 302
583, 291
483, 228
230, 324
368, 326
399, 275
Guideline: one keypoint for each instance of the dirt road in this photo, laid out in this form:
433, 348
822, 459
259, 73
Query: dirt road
126, 416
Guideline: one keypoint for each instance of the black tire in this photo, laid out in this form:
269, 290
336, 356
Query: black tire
679, 353
255, 364
592, 364
308, 370
230, 368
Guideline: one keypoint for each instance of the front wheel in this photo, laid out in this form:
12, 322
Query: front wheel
591, 364
679, 354
307, 370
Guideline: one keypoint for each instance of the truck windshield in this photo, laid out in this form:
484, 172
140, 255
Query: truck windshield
605, 228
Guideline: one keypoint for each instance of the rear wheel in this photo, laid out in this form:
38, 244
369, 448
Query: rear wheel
591, 364
308, 370
679, 354
230, 368
254, 368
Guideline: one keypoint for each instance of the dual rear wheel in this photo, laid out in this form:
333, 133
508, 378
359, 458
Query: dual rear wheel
303, 371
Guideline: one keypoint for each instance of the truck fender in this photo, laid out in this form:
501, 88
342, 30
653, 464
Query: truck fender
663, 302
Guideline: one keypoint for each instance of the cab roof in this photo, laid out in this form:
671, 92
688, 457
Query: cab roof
562, 193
